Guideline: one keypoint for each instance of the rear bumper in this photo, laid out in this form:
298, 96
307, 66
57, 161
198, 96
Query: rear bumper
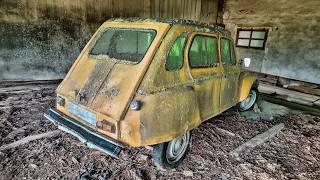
84, 134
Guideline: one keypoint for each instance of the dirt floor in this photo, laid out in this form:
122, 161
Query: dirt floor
293, 154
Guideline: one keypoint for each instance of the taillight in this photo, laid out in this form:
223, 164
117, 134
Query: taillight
106, 126
136, 105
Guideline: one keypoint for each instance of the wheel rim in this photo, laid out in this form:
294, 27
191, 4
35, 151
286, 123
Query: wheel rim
249, 101
177, 148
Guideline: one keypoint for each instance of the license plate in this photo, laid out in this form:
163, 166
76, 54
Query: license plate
82, 113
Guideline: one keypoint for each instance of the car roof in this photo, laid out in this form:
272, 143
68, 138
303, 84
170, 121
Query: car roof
205, 27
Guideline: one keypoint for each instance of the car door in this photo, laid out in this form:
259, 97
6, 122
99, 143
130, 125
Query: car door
229, 83
205, 69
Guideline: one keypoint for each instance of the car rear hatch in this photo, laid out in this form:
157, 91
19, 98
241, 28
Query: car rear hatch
106, 75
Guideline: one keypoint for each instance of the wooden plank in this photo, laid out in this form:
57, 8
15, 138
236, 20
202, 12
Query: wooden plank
181, 15
269, 79
306, 89
157, 8
109, 9
168, 9
198, 10
300, 86
4, 84
185, 9
204, 10
178, 9
152, 8
29, 139
257, 140
193, 6
147, 8
100, 10
289, 95
172, 9
189, 9
122, 9
163, 8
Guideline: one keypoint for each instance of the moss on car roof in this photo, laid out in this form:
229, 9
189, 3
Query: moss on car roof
201, 25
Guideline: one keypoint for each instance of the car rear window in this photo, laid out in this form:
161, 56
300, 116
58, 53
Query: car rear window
124, 44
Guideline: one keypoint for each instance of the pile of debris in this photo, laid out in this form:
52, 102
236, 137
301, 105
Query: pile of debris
229, 146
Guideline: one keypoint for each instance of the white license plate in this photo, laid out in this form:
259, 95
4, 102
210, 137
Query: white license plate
82, 113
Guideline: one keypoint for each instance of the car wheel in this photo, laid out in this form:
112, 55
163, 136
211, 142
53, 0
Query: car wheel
170, 154
249, 102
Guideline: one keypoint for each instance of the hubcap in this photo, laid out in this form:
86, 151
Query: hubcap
177, 147
249, 101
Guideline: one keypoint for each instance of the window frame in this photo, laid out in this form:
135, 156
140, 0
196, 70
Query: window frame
266, 31
231, 47
185, 34
218, 56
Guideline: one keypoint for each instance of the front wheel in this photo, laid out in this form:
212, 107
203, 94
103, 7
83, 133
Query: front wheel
170, 154
249, 102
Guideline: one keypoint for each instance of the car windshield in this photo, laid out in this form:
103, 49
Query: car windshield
124, 44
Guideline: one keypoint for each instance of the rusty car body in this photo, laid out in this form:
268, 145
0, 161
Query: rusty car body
137, 96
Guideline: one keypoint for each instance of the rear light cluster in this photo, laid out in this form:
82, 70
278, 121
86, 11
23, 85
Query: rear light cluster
61, 101
106, 126
103, 125
136, 105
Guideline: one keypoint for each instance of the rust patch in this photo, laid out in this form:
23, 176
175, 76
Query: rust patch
95, 81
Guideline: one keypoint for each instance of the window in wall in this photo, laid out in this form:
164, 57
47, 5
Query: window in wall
175, 57
203, 52
228, 56
251, 38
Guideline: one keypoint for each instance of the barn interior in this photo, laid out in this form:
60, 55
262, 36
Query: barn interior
41, 39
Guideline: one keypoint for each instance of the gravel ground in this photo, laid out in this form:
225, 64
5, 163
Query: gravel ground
293, 154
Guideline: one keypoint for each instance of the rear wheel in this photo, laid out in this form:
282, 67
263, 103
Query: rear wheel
249, 102
170, 154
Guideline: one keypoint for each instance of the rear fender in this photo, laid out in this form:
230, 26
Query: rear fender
164, 116
247, 81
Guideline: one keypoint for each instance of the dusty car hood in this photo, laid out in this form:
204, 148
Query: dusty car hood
106, 85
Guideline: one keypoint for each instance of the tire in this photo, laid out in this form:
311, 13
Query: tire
168, 156
249, 102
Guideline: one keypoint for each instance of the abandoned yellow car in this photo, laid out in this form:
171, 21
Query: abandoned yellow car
148, 83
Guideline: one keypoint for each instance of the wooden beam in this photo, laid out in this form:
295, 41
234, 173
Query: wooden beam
29, 139
256, 141
289, 95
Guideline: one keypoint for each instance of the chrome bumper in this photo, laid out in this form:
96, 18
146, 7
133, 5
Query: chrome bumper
84, 134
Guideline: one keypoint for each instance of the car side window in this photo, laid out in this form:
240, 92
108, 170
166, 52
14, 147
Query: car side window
203, 52
227, 52
175, 57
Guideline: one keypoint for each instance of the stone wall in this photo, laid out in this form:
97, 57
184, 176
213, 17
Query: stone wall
40, 51
39, 40
293, 48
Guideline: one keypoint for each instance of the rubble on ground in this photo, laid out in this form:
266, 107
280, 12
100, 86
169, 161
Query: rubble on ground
293, 153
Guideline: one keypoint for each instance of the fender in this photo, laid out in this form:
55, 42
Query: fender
247, 81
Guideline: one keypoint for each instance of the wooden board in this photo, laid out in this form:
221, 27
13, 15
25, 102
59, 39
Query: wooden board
289, 95
99, 11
